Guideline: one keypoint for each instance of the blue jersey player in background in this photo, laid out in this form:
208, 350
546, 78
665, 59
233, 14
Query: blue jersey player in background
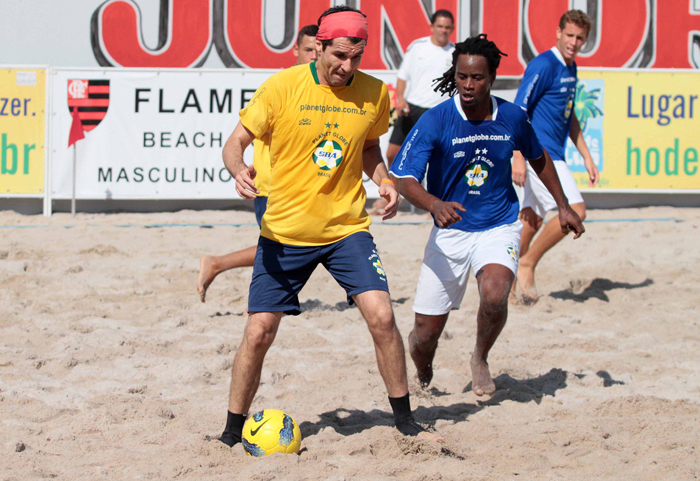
548, 92
467, 142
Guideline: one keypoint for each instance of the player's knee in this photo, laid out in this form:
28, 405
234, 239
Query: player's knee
580, 210
494, 293
381, 323
259, 335
424, 330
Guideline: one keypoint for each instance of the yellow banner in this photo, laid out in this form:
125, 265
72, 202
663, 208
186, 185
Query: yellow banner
22, 126
643, 129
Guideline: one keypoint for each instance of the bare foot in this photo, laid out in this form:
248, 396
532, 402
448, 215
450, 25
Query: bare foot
207, 273
525, 288
423, 362
481, 377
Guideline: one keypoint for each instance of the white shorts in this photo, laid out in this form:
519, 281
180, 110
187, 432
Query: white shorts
449, 255
537, 197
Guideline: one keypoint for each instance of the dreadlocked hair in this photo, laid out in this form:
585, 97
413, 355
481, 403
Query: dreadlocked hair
479, 45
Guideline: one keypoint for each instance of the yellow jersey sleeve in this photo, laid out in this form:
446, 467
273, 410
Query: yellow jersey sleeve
259, 115
381, 124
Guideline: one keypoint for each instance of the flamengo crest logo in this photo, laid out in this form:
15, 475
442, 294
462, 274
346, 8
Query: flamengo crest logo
91, 97
328, 155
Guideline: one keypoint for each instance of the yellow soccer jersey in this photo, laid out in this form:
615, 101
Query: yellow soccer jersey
261, 162
316, 195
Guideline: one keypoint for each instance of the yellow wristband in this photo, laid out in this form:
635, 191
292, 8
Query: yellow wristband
387, 181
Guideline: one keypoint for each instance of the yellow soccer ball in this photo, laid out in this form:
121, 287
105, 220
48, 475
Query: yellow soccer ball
271, 431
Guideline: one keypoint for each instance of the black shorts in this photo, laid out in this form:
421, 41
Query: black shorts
403, 125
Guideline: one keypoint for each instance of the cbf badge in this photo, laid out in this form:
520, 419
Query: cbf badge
512, 251
377, 264
328, 155
476, 176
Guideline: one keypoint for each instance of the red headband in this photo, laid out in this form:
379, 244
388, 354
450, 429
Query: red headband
342, 24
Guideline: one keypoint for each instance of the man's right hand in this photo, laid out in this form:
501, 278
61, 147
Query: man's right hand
445, 213
244, 183
570, 221
402, 107
519, 169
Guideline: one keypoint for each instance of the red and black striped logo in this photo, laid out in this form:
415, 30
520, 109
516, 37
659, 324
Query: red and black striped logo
92, 99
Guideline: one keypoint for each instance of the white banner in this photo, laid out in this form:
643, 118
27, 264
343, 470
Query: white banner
161, 135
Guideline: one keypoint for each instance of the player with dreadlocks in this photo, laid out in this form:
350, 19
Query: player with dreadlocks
468, 142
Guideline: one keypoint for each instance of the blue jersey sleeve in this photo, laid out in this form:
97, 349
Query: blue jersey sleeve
525, 138
412, 160
533, 86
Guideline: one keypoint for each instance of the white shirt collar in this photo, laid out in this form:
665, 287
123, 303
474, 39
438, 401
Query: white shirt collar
458, 105
558, 54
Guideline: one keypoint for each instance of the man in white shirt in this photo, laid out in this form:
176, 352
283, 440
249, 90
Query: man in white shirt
426, 59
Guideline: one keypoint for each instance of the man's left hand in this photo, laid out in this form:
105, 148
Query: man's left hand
388, 192
570, 221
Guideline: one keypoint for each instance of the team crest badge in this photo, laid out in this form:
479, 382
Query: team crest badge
512, 253
328, 155
377, 264
379, 268
476, 176
91, 97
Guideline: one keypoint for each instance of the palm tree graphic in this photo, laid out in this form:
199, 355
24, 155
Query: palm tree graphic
585, 104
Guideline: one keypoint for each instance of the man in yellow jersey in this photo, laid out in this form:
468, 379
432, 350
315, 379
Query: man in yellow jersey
325, 121
212, 266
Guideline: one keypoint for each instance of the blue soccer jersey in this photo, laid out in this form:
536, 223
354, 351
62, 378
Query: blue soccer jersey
547, 92
469, 160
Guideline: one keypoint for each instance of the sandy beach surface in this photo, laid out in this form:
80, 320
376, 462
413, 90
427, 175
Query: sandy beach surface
111, 368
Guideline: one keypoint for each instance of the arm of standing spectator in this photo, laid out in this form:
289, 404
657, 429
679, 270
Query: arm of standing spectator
404, 75
401, 105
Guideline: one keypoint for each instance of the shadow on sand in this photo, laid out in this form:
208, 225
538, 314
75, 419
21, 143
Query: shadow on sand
353, 421
311, 305
597, 289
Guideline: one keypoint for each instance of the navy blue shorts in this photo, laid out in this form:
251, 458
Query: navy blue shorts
260, 205
282, 270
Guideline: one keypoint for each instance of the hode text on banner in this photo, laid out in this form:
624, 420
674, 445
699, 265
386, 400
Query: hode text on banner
641, 129
22, 130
